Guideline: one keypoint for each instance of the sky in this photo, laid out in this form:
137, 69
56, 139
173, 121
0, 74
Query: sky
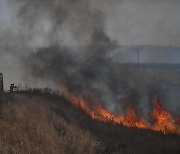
154, 22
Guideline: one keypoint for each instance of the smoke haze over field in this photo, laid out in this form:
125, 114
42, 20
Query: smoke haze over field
79, 43
27, 25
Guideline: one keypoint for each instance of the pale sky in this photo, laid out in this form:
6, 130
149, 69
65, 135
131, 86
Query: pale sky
150, 22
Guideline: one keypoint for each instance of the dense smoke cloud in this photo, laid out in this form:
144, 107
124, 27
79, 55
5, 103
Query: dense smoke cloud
76, 44
91, 74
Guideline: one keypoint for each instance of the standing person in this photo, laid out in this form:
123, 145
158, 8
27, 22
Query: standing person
11, 88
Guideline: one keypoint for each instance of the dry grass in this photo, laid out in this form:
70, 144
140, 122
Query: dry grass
44, 124
28, 125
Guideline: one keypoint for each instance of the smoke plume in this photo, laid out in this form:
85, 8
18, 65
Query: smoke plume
75, 44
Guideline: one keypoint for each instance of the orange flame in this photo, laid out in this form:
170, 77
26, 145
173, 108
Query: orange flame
162, 120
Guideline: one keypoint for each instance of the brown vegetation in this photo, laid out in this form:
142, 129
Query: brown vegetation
38, 123
30, 125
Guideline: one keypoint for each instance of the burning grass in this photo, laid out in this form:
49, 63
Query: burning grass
162, 119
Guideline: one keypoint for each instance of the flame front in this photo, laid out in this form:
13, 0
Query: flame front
162, 120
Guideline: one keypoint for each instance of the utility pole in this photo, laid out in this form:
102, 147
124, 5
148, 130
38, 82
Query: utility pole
138, 50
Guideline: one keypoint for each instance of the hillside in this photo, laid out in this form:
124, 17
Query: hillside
39, 123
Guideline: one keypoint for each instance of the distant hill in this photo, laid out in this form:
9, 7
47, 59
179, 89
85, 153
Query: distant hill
148, 54
153, 65
39, 123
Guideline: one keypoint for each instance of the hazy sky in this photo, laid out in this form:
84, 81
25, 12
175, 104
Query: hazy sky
154, 22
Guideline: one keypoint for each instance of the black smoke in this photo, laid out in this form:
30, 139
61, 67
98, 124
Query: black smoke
71, 47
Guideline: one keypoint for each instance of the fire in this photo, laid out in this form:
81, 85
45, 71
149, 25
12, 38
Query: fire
82, 105
162, 120
132, 121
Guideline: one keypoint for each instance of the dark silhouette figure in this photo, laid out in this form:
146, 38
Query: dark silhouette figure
12, 88
1, 83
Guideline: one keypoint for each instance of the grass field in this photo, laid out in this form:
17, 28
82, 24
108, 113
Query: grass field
33, 123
